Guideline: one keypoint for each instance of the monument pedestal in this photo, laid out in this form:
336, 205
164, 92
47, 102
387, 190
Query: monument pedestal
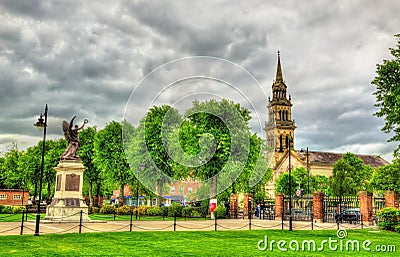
67, 204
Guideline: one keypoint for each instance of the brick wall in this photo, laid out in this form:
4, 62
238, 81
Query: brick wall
14, 197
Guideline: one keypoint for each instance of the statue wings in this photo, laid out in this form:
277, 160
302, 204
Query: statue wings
65, 127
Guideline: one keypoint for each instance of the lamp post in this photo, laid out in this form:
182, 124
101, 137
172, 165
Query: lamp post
42, 123
308, 172
141, 167
290, 188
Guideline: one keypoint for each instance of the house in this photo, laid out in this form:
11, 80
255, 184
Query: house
14, 197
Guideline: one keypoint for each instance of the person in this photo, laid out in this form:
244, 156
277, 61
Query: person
71, 134
258, 210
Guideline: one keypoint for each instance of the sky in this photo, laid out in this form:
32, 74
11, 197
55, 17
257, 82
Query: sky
110, 60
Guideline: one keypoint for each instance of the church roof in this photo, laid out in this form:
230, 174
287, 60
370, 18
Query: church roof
328, 158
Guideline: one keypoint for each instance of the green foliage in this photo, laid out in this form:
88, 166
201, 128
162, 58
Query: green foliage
389, 218
350, 176
6, 209
192, 212
175, 210
109, 157
220, 212
282, 184
143, 209
18, 209
94, 209
387, 82
108, 209
123, 210
387, 177
157, 211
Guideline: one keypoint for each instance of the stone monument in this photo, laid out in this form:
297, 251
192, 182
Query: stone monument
68, 202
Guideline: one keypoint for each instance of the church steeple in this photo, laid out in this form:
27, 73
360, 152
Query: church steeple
280, 126
279, 76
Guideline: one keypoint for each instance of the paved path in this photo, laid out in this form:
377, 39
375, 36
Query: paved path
14, 228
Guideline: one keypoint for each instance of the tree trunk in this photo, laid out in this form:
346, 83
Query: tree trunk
159, 192
91, 199
48, 192
121, 196
213, 187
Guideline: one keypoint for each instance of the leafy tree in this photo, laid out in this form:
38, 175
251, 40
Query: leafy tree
12, 175
54, 149
221, 130
349, 175
282, 184
86, 153
387, 82
387, 177
109, 157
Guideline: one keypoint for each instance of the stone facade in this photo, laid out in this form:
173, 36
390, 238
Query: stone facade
279, 131
68, 201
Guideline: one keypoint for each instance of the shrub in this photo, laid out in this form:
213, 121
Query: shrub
143, 210
192, 212
155, 211
2, 207
6, 209
18, 209
107, 209
220, 212
164, 211
389, 218
94, 209
175, 210
123, 210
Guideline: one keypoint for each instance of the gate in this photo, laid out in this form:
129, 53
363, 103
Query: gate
302, 208
268, 209
333, 206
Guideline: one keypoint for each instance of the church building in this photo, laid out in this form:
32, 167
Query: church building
280, 137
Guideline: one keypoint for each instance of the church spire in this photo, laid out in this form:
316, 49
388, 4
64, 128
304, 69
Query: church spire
279, 77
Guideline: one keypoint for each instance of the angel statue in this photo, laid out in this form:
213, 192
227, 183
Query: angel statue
71, 134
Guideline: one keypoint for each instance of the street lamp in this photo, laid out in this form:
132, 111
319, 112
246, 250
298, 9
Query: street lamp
290, 187
141, 167
41, 124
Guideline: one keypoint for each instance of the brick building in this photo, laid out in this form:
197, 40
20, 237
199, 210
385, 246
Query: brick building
14, 197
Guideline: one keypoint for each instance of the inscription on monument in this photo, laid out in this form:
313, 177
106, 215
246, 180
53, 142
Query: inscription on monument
72, 202
72, 182
58, 185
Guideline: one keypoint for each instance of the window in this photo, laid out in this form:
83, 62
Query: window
181, 190
3, 197
190, 189
17, 197
172, 190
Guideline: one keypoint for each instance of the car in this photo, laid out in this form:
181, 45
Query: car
351, 215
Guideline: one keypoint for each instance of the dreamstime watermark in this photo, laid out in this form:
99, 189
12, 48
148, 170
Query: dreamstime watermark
178, 84
338, 243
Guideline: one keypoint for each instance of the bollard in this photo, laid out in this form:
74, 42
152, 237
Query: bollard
362, 223
22, 223
215, 221
130, 224
80, 222
282, 220
174, 221
312, 221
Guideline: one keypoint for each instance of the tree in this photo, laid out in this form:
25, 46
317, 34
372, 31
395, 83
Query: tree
86, 153
282, 184
12, 175
387, 82
349, 175
387, 177
109, 157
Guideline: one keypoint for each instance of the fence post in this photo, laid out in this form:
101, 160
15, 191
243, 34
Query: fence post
312, 221
80, 222
362, 223
215, 221
174, 221
114, 216
250, 214
26, 213
22, 223
282, 220
130, 224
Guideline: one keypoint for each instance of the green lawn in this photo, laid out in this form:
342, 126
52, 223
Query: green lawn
219, 243
127, 217
18, 217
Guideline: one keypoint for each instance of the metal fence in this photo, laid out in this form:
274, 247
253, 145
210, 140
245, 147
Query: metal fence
334, 206
302, 208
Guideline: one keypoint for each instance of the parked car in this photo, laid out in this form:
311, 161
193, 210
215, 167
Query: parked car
351, 215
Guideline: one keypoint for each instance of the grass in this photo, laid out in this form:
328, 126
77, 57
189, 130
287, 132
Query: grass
17, 217
219, 243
